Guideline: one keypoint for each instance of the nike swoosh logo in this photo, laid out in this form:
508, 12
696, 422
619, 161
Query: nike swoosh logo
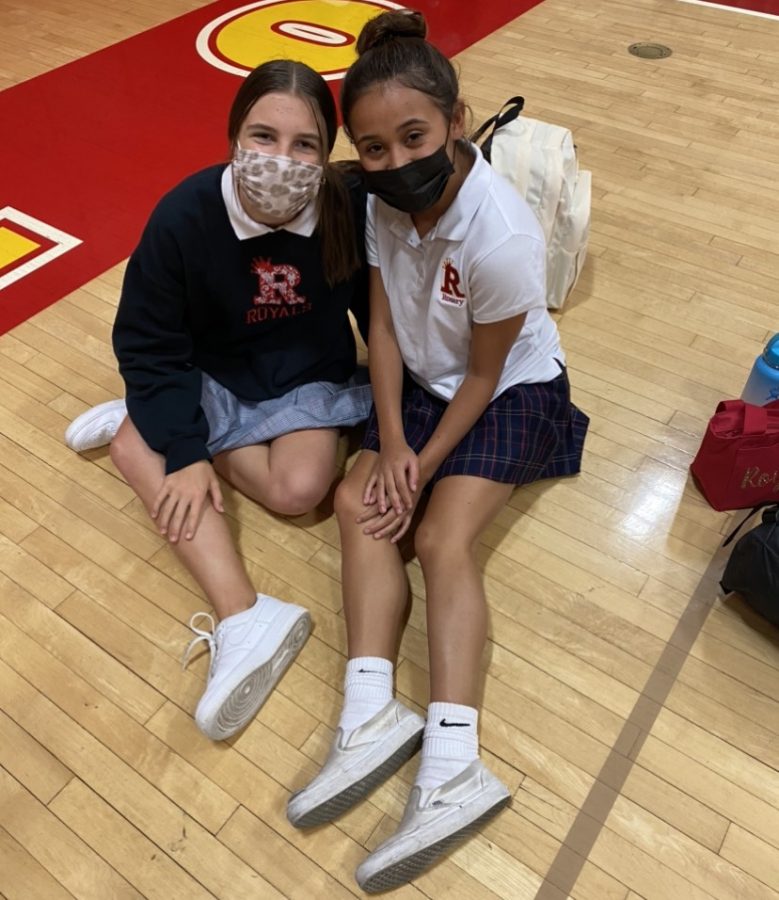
368, 672
444, 724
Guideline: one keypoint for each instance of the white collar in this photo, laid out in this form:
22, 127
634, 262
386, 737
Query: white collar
246, 227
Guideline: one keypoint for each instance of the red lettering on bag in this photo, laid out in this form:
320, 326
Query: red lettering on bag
753, 477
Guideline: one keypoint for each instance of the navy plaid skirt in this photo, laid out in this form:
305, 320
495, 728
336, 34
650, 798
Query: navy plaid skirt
529, 432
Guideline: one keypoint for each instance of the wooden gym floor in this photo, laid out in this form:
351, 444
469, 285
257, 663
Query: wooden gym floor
632, 711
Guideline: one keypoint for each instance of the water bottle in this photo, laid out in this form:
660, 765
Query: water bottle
763, 383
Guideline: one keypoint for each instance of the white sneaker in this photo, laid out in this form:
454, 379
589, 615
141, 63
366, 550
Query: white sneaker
434, 821
250, 651
96, 427
359, 760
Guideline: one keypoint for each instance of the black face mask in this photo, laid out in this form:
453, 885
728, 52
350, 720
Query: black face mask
415, 187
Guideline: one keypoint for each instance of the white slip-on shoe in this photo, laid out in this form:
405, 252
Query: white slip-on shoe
96, 427
250, 651
359, 761
434, 821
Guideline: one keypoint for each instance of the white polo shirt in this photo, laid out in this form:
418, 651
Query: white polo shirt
483, 261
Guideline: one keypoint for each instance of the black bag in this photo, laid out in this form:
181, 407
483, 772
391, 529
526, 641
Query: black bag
753, 567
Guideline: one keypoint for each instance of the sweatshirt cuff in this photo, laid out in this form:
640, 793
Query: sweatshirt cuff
185, 452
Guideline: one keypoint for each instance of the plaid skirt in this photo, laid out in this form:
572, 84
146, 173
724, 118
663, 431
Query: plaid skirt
234, 423
529, 432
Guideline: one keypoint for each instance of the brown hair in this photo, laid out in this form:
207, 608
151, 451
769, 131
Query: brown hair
392, 47
340, 256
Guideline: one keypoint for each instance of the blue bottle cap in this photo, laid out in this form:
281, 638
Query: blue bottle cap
771, 352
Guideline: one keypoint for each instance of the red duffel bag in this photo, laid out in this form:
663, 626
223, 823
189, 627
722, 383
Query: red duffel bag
737, 464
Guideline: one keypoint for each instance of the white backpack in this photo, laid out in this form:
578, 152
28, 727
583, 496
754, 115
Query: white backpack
540, 161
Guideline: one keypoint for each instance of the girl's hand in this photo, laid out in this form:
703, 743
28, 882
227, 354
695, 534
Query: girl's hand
389, 523
179, 506
394, 479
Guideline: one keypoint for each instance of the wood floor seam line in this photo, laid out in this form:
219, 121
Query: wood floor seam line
577, 845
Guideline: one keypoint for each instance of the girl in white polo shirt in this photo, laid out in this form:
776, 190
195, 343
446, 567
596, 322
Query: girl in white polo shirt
471, 399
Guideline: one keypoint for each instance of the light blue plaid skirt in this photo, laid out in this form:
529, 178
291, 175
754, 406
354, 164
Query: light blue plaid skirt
237, 423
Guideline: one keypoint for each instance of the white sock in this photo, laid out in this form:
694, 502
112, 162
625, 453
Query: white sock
450, 743
367, 689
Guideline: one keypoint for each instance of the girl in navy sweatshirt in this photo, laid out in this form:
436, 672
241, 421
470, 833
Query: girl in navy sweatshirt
235, 345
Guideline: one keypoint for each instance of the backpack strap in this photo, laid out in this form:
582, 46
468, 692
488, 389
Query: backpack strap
501, 118
744, 521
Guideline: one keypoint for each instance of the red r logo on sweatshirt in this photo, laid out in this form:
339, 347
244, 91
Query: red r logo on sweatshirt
276, 283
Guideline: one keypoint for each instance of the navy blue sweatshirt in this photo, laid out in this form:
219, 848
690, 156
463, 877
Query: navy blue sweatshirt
257, 315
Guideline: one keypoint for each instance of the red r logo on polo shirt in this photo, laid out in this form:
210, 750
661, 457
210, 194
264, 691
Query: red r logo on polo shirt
450, 287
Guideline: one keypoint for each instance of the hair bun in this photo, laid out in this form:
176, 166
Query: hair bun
391, 25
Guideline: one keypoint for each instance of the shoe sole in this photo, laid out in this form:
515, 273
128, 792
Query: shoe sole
353, 794
245, 700
407, 869
83, 424
73, 441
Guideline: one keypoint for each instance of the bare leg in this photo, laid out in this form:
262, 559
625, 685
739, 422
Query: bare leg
375, 593
460, 508
290, 476
211, 555
375, 589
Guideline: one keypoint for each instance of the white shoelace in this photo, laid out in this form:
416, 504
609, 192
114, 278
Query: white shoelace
201, 635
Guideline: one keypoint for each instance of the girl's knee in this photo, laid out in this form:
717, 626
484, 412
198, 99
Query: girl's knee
435, 544
425, 542
297, 493
348, 500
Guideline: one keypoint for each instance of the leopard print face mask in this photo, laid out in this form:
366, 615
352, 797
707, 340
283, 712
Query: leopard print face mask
274, 187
